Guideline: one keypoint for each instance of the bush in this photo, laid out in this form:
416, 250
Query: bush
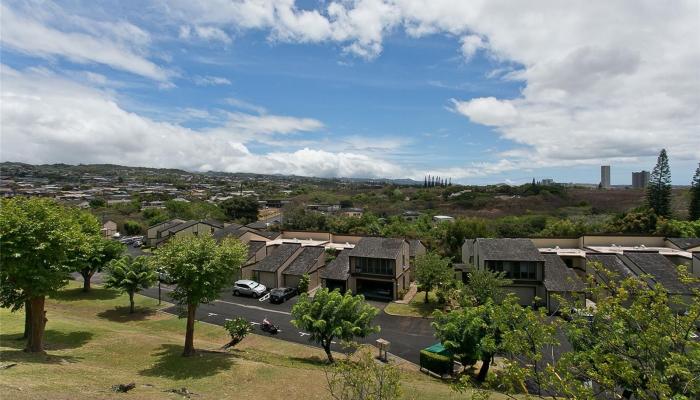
132, 228
238, 328
436, 363
303, 285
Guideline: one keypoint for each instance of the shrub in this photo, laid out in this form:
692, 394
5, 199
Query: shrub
436, 363
303, 285
238, 328
132, 227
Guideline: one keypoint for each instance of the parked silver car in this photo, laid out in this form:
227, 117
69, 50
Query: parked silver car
247, 287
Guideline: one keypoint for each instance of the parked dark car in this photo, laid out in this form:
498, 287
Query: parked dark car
280, 295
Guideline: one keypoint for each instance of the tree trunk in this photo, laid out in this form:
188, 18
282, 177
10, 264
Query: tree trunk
87, 276
27, 319
189, 335
131, 302
35, 343
485, 364
426, 295
327, 349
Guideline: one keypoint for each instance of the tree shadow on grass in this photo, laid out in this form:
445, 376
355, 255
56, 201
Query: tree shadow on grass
314, 361
76, 294
121, 314
53, 340
20, 356
171, 364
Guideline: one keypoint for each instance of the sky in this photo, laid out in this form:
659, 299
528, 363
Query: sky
478, 91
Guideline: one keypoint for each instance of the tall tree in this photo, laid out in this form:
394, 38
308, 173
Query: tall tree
431, 271
37, 237
694, 209
93, 254
330, 315
659, 189
130, 275
201, 268
241, 209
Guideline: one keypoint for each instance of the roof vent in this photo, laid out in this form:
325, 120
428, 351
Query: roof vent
556, 247
643, 246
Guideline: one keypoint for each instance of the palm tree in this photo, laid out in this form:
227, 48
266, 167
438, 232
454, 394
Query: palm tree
130, 275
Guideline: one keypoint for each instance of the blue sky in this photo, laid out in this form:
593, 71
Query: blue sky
482, 93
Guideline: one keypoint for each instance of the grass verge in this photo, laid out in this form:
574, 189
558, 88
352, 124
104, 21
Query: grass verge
415, 308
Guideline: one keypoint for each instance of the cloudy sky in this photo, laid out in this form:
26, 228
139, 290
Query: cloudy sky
480, 91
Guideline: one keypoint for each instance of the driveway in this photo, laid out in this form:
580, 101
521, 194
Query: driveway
407, 335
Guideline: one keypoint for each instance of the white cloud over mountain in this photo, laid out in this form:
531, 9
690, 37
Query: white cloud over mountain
48, 119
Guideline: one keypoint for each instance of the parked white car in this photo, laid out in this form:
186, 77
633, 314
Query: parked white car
247, 287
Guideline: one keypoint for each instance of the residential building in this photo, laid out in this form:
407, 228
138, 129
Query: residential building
410, 215
640, 179
269, 270
352, 212
379, 268
109, 228
158, 234
309, 261
337, 272
605, 176
443, 218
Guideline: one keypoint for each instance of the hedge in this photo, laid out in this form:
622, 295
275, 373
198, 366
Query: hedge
436, 363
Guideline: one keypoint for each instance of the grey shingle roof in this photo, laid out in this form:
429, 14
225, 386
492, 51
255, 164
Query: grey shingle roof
612, 263
276, 258
413, 245
377, 247
508, 250
161, 226
304, 261
661, 269
685, 243
558, 277
254, 246
188, 224
339, 268
230, 230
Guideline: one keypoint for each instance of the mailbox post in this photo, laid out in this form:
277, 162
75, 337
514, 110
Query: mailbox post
383, 346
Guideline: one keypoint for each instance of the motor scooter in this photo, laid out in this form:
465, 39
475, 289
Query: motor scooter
268, 327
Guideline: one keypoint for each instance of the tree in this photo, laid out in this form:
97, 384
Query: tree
241, 209
330, 315
363, 380
659, 189
694, 208
303, 285
636, 340
484, 286
201, 268
37, 237
238, 328
132, 227
431, 271
463, 332
130, 275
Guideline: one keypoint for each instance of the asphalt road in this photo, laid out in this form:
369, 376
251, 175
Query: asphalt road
407, 335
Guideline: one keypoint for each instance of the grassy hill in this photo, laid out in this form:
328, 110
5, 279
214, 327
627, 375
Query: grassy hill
93, 343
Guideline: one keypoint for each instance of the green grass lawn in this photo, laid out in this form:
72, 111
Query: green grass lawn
93, 343
415, 308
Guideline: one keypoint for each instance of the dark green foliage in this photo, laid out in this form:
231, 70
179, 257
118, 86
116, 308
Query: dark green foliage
640, 220
155, 216
331, 315
130, 275
437, 363
132, 228
194, 210
244, 210
97, 203
694, 208
659, 189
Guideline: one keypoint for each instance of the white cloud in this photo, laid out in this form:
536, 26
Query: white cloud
595, 89
470, 45
244, 105
208, 33
487, 111
210, 80
47, 119
31, 36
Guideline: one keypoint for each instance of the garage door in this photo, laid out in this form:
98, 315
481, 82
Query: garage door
332, 284
525, 294
291, 280
376, 290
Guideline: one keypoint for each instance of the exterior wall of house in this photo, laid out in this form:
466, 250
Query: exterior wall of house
250, 236
197, 229
352, 239
564, 243
269, 279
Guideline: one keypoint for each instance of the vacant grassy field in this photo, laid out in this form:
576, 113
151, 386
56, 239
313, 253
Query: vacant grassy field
415, 308
93, 343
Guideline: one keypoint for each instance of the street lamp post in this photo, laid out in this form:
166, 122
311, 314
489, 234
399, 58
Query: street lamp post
160, 278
